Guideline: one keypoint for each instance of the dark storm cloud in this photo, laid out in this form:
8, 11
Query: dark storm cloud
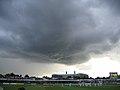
51, 31
114, 8
114, 5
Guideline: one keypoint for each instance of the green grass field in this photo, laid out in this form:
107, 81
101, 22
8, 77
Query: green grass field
46, 87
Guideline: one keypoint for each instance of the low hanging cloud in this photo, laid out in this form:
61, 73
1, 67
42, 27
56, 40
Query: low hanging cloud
56, 31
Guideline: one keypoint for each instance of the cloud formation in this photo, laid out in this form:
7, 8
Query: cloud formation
57, 31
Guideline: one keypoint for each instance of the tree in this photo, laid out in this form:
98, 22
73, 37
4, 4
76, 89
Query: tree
26, 76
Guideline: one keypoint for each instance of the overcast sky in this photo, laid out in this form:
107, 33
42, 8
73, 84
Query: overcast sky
41, 37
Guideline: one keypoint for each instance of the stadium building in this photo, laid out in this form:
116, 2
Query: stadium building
70, 76
113, 75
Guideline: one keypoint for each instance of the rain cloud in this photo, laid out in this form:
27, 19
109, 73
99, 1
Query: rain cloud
57, 31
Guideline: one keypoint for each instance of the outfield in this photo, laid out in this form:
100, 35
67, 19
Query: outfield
46, 87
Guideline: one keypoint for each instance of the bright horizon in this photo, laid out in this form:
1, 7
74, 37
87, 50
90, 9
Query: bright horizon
97, 68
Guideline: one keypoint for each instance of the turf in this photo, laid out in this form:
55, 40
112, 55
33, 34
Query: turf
42, 87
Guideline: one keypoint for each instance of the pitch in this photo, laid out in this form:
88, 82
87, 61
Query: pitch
59, 87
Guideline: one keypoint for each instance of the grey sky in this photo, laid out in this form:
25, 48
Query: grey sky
56, 31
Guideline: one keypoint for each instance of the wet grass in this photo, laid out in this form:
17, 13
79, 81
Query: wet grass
59, 87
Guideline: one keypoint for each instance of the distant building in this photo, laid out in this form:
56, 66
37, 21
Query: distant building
70, 76
81, 76
113, 75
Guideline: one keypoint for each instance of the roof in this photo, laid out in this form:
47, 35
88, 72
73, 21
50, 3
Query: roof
113, 72
69, 74
63, 74
81, 74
